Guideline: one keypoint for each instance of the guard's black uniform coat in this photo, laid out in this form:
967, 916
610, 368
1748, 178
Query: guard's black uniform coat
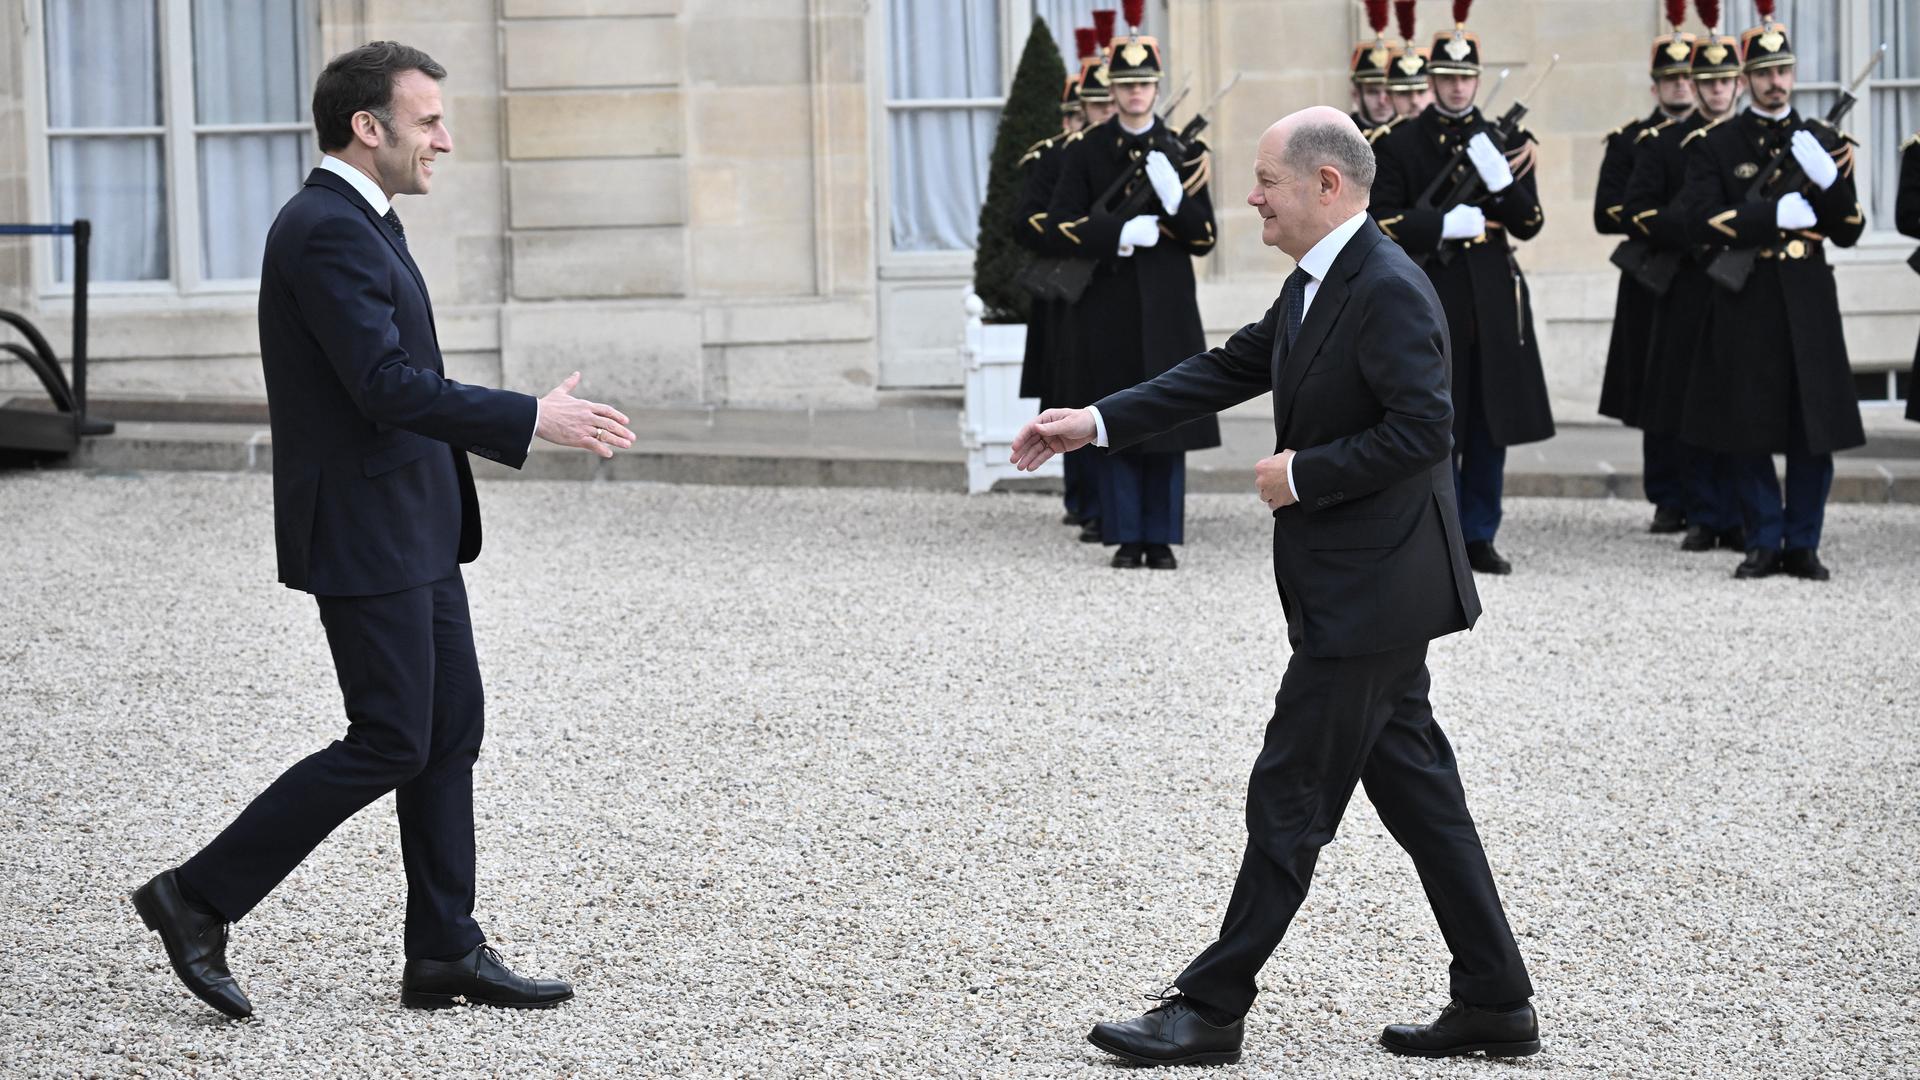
1489, 310
1780, 337
1620, 386
1139, 317
1676, 334
1906, 218
1047, 365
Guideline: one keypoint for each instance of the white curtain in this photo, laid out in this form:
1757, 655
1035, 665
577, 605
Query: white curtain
1896, 111
250, 67
1813, 31
939, 156
1062, 16
103, 71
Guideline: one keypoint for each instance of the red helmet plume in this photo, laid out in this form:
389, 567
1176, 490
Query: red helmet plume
1377, 16
1136, 12
1460, 11
1765, 8
1103, 25
1403, 14
1709, 12
1083, 41
1676, 13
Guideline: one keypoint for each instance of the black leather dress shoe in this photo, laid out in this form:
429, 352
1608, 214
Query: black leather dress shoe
1760, 562
196, 944
1160, 557
1667, 519
478, 978
1090, 531
1465, 1029
1072, 518
1482, 557
1129, 557
1804, 563
1699, 538
1734, 539
1171, 1034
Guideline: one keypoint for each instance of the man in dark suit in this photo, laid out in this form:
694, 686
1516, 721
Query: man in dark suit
374, 511
1371, 566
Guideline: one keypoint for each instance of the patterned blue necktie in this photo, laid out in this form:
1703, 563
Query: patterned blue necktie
399, 231
1295, 295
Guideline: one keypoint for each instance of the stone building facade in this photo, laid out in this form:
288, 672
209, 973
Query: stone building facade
697, 202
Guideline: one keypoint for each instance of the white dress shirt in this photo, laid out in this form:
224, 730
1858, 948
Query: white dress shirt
1316, 262
377, 199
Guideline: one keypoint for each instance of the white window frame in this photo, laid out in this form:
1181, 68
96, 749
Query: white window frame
179, 134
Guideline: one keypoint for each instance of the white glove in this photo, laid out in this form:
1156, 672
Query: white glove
1814, 159
1793, 211
1166, 182
1143, 231
1463, 223
1489, 162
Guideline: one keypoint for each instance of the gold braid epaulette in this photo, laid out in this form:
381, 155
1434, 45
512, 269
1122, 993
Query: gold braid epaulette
1697, 132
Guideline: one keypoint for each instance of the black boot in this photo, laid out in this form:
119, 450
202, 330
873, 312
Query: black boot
1129, 557
1760, 562
1464, 1029
1090, 531
196, 942
1160, 557
1667, 519
1700, 538
1171, 1033
1734, 539
1804, 563
1482, 557
1072, 517
478, 978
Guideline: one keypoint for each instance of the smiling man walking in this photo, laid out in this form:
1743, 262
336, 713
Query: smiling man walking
374, 511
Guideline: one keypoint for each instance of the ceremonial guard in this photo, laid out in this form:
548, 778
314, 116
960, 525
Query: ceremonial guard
1367, 69
1620, 387
1678, 334
1135, 199
1499, 389
1407, 84
1775, 376
1906, 218
1046, 371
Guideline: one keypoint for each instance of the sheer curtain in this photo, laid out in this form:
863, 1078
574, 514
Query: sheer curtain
1062, 16
250, 68
103, 71
1813, 29
939, 154
1896, 110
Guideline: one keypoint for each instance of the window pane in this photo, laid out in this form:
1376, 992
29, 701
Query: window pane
939, 176
1897, 22
941, 49
250, 61
1813, 29
120, 185
244, 179
103, 63
1896, 115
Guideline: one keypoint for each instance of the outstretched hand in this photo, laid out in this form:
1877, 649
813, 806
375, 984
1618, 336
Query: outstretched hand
1055, 431
566, 420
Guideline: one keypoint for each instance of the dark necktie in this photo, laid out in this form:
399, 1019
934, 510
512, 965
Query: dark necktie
399, 230
1295, 295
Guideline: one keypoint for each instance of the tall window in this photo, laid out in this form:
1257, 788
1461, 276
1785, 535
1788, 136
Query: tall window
1894, 101
944, 93
177, 127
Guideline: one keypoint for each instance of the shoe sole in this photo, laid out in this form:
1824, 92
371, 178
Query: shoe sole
415, 999
1218, 1057
143, 903
1494, 1049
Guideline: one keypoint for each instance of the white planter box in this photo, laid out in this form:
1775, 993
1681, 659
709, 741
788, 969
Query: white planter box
994, 408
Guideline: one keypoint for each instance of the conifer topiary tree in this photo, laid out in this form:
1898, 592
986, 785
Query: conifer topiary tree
1032, 113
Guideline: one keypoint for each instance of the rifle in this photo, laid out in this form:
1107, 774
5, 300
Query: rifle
1654, 270
1732, 266
1459, 183
1066, 280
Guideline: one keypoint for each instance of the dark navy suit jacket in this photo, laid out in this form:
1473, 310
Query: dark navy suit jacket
1371, 558
371, 489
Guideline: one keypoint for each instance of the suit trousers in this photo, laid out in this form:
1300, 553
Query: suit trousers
1338, 722
1660, 470
1479, 474
1143, 498
415, 715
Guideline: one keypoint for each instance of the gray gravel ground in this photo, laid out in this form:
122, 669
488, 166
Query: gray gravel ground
854, 783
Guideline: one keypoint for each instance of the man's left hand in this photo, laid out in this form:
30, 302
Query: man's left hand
1270, 477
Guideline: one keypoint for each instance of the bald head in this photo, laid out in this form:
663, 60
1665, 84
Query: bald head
1313, 170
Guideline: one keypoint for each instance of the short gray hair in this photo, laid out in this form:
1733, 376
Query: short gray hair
1316, 143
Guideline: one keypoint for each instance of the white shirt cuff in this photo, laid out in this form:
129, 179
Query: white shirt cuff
1100, 430
1291, 486
535, 437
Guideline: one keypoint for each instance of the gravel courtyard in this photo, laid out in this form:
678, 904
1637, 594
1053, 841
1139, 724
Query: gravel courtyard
802, 782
